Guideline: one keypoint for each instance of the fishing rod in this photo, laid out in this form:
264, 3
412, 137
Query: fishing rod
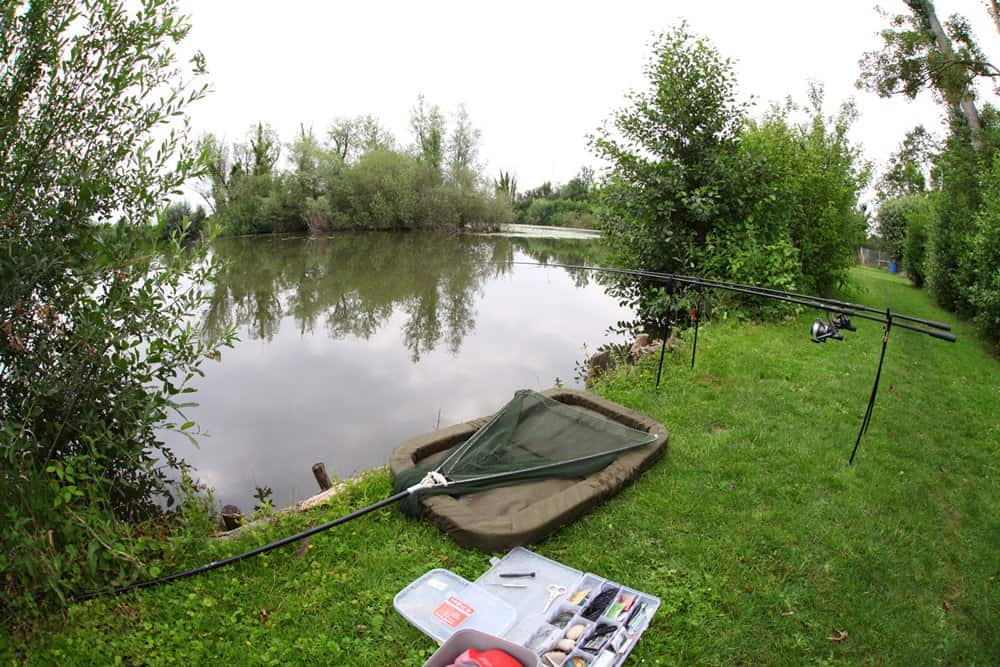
805, 300
821, 331
767, 291
427, 482
776, 292
833, 302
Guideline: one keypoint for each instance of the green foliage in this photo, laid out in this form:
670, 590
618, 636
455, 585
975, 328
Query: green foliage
912, 58
759, 539
429, 131
379, 192
892, 224
957, 203
559, 213
909, 167
671, 153
570, 205
355, 181
96, 340
506, 187
180, 220
696, 187
919, 53
350, 138
463, 152
983, 292
920, 215
820, 193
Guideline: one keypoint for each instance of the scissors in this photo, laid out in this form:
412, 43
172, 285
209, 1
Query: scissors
554, 592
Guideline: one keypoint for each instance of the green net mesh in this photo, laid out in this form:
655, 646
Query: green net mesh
533, 437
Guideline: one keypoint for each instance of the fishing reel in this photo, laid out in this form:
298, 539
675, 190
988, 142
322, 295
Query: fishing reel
825, 329
842, 321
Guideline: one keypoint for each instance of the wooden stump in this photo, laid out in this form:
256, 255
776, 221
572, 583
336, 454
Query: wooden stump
232, 518
323, 479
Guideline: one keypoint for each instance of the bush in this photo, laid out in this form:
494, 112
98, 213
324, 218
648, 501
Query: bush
891, 224
984, 259
948, 239
559, 213
96, 343
920, 219
695, 187
350, 185
178, 219
671, 152
905, 221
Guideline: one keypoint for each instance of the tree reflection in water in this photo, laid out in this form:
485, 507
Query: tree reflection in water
354, 283
351, 344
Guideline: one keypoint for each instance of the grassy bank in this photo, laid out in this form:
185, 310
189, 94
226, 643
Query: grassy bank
760, 540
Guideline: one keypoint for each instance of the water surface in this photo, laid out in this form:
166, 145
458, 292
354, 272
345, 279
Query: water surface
351, 344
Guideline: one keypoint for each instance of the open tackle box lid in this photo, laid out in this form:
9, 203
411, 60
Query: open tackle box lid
440, 603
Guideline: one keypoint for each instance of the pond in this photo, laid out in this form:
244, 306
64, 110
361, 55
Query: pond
351, 344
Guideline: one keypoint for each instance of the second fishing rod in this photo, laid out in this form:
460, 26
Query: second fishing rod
804, 300
797, 295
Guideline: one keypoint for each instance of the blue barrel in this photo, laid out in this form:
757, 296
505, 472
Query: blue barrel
893, 268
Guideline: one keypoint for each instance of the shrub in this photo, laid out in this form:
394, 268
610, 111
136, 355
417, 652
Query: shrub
559, 213
671, 151
381, 191
891, 224
984, 259
96, 343
695, 187
920, 219
178, 219
904, 222
948, 239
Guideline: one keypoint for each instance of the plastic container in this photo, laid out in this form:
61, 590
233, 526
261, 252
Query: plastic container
440, 603
529, 603
463, 640
443, 605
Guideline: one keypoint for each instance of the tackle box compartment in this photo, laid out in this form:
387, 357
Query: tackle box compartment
601, 637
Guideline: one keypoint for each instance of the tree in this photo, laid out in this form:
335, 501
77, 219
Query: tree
373, 136
353, 138
463, 151
919, 52
669, 152
343, 134
218, 170
983, 291
265, 149
578, 188
305, 154
892, 226
428, 132
909, 168
506, 187
96, 340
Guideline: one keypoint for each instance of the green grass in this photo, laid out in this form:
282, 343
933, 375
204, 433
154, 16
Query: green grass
759, 538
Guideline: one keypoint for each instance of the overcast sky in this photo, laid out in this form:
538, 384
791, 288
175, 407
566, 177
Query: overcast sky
535, 77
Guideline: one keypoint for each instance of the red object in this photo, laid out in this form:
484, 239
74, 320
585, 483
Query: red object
491, 658
453, 612
694, 313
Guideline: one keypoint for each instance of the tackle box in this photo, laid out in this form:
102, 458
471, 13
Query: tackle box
603, 629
